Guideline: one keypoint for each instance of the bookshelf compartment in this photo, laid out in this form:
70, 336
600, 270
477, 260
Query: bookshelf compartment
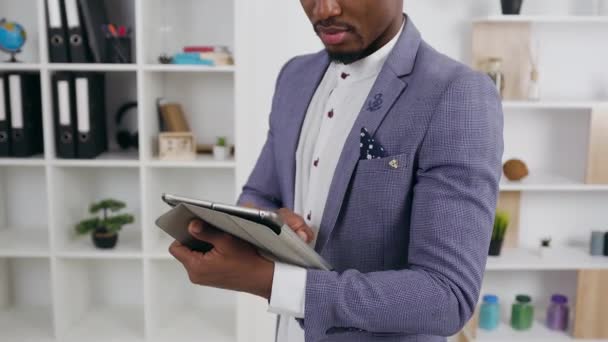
100, 296
75, 190
25, 300
170, 25
192, 312
207, 102
24, 229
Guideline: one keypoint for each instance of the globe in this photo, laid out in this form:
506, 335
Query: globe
12, 37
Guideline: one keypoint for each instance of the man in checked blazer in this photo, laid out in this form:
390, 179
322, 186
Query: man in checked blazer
385, 155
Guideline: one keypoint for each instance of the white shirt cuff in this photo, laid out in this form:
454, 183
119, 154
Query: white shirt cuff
288, 290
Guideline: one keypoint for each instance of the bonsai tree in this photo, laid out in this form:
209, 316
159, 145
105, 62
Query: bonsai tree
501, 222
104, 228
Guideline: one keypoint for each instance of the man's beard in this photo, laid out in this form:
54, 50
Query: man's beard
350, 57
345, 58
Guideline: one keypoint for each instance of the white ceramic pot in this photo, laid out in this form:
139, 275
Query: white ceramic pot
220, 152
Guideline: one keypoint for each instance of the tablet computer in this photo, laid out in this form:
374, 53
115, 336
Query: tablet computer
267, 218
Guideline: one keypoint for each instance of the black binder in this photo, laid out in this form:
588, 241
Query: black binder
76, 36
94, 15
5, 118
57, 35
26, 114
90, 115
64, 114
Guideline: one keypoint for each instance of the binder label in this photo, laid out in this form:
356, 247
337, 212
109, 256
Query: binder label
82, 105
71, 11
63, 90
2, 101
54, 13
16, 104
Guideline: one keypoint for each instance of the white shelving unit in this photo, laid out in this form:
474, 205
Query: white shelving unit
545, 19
55, 286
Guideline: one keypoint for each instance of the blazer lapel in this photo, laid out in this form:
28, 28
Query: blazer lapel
387, 89
303, 90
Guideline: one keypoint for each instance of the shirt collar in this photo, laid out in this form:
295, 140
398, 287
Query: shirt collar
368, 66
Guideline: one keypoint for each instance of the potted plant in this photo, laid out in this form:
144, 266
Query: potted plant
104, 230
220, 150
501, 222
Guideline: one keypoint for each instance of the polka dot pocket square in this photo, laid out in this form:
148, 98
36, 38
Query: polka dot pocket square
369, 147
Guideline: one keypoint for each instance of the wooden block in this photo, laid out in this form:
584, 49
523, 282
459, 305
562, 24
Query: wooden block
597, 158
510, 202
591, 314
469, 332
511, 43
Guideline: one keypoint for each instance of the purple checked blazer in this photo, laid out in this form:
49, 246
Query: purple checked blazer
409, 244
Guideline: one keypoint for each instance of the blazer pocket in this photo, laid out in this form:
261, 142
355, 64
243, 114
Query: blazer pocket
391, 164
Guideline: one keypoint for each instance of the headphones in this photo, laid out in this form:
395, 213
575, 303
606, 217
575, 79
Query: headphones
125, 138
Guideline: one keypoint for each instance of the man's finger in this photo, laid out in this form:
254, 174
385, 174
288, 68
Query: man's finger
297, 224
180, 252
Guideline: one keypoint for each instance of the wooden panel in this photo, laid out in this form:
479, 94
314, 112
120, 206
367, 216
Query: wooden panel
597, 159
511, 42
510, 202
591, 305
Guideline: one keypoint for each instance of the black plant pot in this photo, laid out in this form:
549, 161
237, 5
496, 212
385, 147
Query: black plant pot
103, 239
511, 6
495, 247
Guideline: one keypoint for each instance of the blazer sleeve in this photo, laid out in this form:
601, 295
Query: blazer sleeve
262, 189
453, 210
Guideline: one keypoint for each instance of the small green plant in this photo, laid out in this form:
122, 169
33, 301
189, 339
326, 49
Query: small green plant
221, 141
501, 222
112, 223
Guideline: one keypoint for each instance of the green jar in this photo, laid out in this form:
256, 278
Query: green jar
522, 313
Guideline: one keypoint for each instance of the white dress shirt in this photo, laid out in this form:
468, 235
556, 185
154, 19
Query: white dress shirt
330, 117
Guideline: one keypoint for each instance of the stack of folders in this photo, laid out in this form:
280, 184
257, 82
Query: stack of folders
20, 115
79, 115
74, 31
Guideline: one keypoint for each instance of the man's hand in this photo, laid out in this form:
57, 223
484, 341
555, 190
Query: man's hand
297, 224
232, 264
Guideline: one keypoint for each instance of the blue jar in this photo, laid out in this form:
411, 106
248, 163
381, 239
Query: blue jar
489, 314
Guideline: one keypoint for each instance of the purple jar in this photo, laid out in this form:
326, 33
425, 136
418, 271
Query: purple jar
558, 314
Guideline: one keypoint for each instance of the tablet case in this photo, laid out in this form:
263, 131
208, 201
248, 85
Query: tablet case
285, 247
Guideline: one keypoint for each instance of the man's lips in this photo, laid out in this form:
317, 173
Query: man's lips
332, 35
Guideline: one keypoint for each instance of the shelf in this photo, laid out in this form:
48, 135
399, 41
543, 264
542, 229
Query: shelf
19, 67
546, 182
128, 247
582, 105
556, 259
195, 326
201, 161
108, 324
102, 67
26, 324
26, 243
188, 68
108, 159
538, 333
544, 19
37, 160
